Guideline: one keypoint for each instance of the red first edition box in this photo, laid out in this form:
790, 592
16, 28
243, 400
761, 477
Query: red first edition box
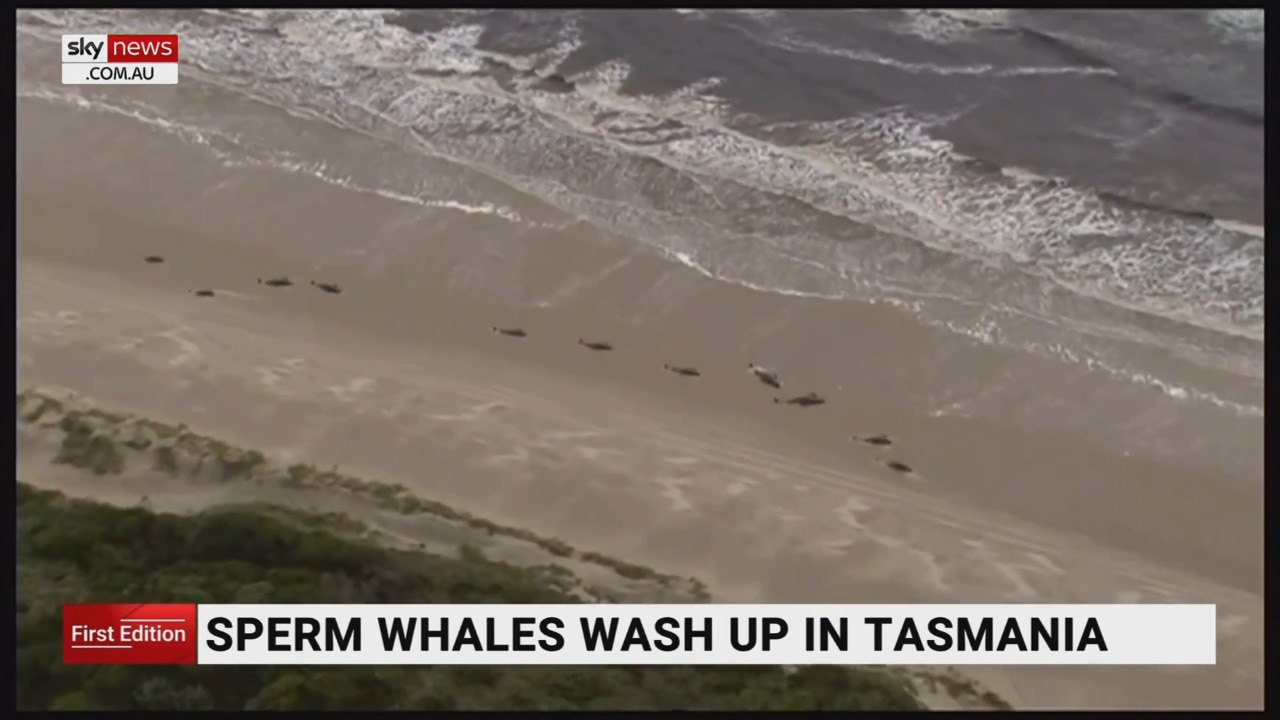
129, 634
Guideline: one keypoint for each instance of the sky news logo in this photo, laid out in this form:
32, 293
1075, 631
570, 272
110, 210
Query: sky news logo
119, 59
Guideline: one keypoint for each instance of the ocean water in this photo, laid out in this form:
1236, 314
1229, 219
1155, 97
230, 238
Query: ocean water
1085, 187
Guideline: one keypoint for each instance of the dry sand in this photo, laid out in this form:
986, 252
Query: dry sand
400, 377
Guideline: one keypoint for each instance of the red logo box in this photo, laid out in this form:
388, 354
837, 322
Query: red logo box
129, 634
142, 48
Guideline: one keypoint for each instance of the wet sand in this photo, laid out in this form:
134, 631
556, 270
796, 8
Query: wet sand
400, 376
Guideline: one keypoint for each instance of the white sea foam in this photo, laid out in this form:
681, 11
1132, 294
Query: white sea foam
1245, 25
884, 172
884, 169
948, 25
790, 39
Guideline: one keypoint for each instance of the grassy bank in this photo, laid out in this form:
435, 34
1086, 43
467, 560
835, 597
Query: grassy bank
104, 442
74, 550
79, 551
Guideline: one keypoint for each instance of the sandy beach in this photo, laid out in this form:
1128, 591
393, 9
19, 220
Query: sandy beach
704, 477
400, 376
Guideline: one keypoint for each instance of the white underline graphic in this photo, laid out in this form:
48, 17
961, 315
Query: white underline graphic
101, 647
145, 620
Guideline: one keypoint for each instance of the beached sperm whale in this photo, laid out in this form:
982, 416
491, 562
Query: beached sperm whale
510, 332
682, 370
204, 292
597, 346
768, 377
879, 439
806, 400
153, 259
900, 467
276, 282
331, 288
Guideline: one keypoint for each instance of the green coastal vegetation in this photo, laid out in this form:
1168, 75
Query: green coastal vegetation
77, 550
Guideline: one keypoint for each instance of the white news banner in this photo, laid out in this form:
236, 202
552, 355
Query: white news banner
120, 74
706, 634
